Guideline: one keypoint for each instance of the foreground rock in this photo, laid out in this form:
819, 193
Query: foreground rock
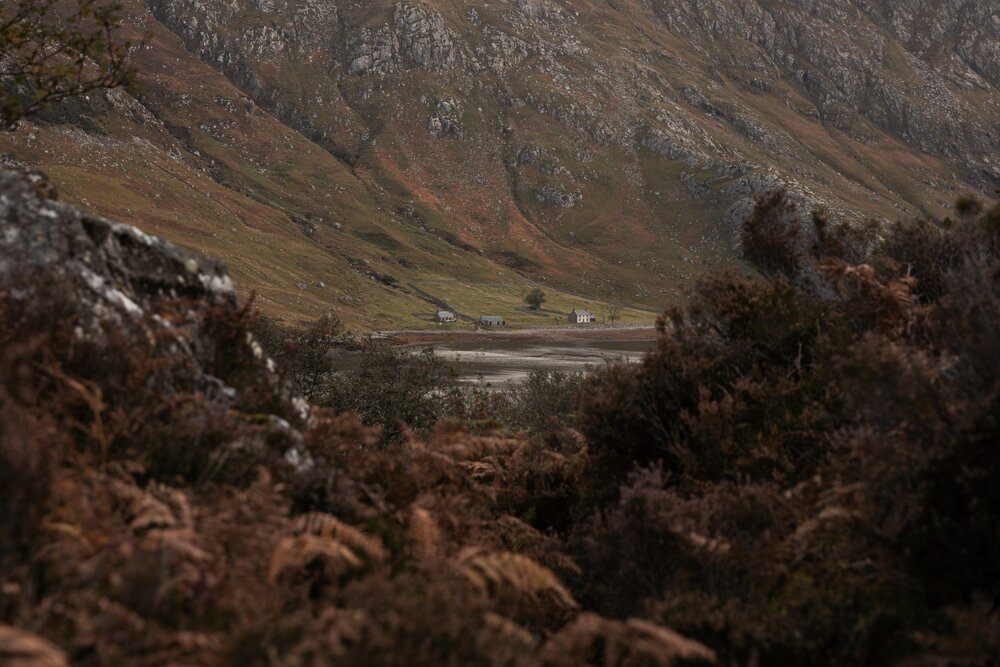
114, 270
111, 296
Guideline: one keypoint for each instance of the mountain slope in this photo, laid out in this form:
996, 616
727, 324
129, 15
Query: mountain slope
381, 157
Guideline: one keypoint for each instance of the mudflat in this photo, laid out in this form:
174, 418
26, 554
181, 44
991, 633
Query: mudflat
497, 356
523, 336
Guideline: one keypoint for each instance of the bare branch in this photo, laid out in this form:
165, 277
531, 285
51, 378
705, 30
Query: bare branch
50, 53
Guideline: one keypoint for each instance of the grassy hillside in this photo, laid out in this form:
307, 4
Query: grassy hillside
596, 150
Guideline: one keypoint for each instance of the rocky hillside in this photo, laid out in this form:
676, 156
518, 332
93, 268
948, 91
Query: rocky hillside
381, 158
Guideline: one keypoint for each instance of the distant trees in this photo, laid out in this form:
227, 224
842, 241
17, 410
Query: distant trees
387, 387
535, 298
304, 355
392, 388
52, 50
400, 390
544, 399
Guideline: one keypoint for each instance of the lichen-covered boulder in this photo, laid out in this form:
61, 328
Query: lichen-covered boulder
106, 290
115, 270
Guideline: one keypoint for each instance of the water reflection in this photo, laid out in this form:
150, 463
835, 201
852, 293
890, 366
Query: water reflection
496, 362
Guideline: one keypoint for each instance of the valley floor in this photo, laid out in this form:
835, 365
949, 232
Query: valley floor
553, 334
491, 358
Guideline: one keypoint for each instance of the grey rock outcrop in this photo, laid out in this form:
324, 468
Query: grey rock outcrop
446, 120
553, 196
540, 159
919, 70
115, 269
122, 284
870, 106
372, 50
841, 53
425, 38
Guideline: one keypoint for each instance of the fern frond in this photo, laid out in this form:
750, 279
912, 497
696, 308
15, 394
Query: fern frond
664, 645
181, 543
711, 545
294, 554
19, 648
481, 471
602, 642
320, 524
178, 502
424, 534
143, 511
499, 571
509, 630
472, 448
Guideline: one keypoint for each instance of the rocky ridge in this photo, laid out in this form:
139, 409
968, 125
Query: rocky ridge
918, 69
921, 72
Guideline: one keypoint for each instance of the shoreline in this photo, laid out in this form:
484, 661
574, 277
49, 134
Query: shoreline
624, 332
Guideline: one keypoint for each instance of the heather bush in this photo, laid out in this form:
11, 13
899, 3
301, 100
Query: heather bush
805, 469
30, 446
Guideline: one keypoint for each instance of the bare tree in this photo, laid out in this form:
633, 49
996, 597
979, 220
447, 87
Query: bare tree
614, 312
51, 50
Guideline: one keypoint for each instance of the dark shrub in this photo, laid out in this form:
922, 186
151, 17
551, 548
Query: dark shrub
823, 447
392, 388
